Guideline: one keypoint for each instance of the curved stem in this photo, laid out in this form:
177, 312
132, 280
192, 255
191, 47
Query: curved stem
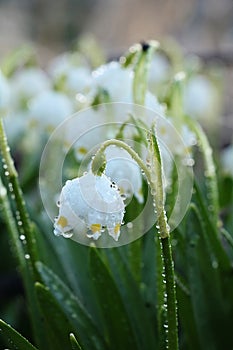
154, 177
121, 144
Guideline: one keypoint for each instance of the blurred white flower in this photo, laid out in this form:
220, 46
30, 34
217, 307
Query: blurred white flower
199, 97
116, 80
78, 80
89, 205
26, 84
159, 71
50, 108
227, 160
4, 93
61, 64
179, 142
124, 171
73, 74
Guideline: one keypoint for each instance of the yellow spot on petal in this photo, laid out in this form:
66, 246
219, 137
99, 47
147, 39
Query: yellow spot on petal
122, 191
62, 221
95, 228
163, 130
117, 228
82, 150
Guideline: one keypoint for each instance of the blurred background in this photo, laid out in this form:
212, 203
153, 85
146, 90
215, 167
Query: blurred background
204, 27
198, 25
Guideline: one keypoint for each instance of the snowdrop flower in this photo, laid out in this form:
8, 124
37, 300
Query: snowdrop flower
199, 97
61, 64
4, 93
76, 78
123, 170
159, 71
50, 108
26, 84
116, 80
86, 131
180, 142
227, 160
88, 205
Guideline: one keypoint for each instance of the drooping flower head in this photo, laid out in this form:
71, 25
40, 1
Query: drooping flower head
89, 205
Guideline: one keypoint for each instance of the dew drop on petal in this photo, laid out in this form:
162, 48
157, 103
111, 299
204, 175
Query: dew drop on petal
68, 234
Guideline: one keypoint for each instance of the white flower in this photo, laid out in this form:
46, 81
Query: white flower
199, 97
61, 64
159, 71
4, 93
50, 108
89, 205
26, 84
227, 160
179, 142
116, 80
123, 170
86, 132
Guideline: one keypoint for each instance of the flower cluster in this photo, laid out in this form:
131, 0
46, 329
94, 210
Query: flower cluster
39, 100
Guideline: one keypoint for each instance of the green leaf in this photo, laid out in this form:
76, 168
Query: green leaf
14, 340
73, 309
74, 343
186, 315
57, 324
211, 194
27, 251
213, 237
207, 295
118, 331
140, 309
141, 72
20, 57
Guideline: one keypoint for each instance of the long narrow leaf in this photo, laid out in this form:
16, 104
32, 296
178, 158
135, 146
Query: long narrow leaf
58, 326
15, 340
118, 332
88, 334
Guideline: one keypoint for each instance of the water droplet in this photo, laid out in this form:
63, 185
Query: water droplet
68, 234
215, 264
210, 207
58, 203
57, 232
129, 225
22, 237
27, 256
190, 162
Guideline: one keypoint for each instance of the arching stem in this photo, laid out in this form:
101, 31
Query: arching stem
154, 177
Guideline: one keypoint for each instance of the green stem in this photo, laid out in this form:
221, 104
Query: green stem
170, 297
98, 159
154, 177
11, 226
26, 253
13, 184
210, 171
